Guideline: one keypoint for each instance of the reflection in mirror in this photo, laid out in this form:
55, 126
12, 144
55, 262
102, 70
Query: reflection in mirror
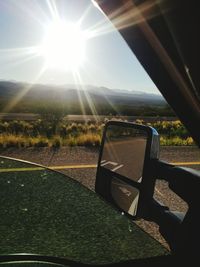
125, 196
123, 177
124, 151
121, 166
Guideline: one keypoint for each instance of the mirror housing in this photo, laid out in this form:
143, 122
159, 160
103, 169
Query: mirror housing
123, 174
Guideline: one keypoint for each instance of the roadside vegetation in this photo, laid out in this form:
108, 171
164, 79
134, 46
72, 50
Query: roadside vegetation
56, 133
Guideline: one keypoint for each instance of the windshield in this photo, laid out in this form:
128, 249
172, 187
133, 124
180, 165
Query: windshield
45, 212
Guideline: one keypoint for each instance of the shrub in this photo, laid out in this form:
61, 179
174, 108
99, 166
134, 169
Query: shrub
89, 140
39, 141
71, 141
40, 133
176, 141
56, 141
12, 141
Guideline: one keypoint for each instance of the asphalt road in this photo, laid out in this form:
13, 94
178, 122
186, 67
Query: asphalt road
125, 196
66, 156
84, 118
125, 157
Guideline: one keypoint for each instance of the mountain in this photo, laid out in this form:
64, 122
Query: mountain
10, 89
18, 97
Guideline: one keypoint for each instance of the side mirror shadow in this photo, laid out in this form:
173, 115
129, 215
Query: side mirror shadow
123, 177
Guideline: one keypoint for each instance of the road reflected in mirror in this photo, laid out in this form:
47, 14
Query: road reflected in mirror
125, 196
124, 154
124, 151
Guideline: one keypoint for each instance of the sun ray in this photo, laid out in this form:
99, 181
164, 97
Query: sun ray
85, 14
102, 27
123, 17
126, 16
22, 93
53, 9
76, 82
31, 10
17, 56
19, 52
89, 77
88, 98
113, 106
110, 149
91, 105
132, 14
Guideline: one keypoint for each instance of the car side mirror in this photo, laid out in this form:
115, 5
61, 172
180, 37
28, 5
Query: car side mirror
123, 178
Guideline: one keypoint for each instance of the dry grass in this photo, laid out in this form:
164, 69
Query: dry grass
176, 141
56, 141
39, 134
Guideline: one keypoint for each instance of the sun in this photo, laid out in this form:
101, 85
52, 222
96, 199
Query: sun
63, 46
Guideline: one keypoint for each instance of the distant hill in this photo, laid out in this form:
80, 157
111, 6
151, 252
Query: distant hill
70, 92
70, 96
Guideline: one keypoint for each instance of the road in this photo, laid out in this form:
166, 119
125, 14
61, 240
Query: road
125, 157
84, 118
66, 157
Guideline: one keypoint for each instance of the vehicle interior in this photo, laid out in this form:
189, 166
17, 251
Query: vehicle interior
163, 35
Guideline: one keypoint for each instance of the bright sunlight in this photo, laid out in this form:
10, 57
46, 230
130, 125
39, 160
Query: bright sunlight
63, 46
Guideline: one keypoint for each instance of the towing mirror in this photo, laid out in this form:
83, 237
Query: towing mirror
123, 177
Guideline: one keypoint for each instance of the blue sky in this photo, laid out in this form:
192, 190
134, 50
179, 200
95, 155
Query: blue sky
108, 60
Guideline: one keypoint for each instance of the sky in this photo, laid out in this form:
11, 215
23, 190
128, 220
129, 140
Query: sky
107, 60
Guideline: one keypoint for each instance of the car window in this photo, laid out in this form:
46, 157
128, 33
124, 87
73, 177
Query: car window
64, 71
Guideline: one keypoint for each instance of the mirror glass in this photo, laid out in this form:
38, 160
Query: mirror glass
125, 196
123, 154
124, 151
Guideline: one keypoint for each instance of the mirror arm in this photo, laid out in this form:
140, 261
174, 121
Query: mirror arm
169, 223
185, 182
181, 232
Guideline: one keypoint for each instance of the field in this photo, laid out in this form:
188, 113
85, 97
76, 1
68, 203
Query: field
56, 132
42, 117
